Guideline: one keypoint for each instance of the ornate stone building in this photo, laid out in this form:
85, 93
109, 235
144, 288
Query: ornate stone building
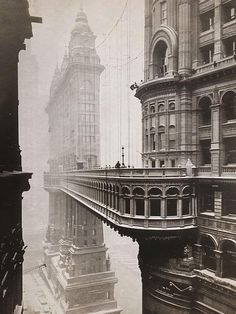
189, 116
78, 267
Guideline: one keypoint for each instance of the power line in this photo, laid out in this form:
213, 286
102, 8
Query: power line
114, 26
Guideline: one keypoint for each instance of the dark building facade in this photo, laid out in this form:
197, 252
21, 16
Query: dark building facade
78, 266
15, 28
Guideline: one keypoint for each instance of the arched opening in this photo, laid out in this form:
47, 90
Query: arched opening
126, 197
160, 59
229, 259
139, 201
155, 201
205, 111
229, 106
172, 200
208, 246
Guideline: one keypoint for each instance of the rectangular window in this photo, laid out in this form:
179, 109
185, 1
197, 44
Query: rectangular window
207, 54
172, 162
161, 137
153, 141
153, 163
164, 12
162, 163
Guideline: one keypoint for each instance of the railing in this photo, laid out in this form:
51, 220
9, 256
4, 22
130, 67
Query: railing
213, 66
132, 172
204, 170
229, 170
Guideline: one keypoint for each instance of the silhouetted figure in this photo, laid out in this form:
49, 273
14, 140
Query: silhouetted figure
117, 165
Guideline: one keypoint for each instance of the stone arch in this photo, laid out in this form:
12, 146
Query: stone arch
154, 189
138, 189
209, 236
222, 242
168, 37
228, 102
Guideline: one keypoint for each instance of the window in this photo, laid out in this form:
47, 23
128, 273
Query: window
171, 106
205, 111
172, 162
207, 53
161, 138
207, 21
161, 108
162, 163
229, 11
153, 163
230, 150
152, 109
206, 152
229, 106
160, 59
153, 141
185, 206
164, 12
153, 122
230, 46
172, 137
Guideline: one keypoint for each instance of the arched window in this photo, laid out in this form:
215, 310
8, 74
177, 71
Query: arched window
172, 199
152, 109
161, 108
171, 106
139, 200
126, 196
205, 111
172, 137
160, 59
229, 106
155, 201
208, 246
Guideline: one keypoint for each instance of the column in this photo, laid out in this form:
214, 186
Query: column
163, 207
179, 206
185, 123
219, 263
218, 46
148, 37
185, 37
132, 204
196, 31
216, 136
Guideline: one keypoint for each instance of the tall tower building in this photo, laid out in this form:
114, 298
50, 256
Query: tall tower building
74, 103
78, 267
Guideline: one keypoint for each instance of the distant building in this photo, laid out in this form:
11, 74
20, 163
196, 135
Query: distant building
73, 108
78, 267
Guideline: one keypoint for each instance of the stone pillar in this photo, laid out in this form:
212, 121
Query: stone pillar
179, 206
146, 207
195, 31
216, 136
199, 255
148, 37
185, 62
218, 46
163, 207
219, 263
132, 205
121, 204
172, 14
185, 127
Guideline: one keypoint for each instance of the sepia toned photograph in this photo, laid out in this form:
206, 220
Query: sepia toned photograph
118, 156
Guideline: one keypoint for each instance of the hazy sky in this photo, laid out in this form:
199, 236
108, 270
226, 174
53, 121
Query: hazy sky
121, 54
